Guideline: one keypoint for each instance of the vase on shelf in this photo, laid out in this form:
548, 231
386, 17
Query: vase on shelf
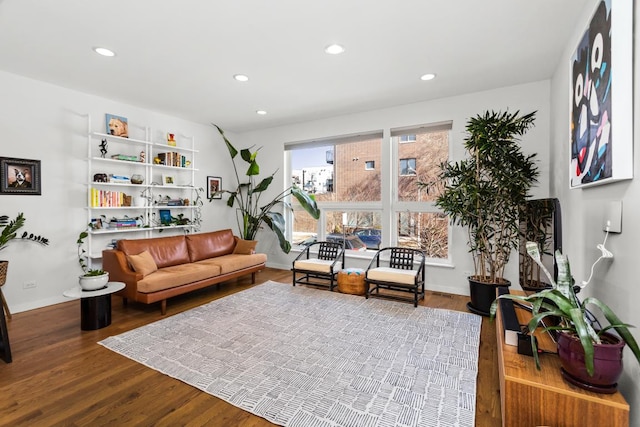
137, 179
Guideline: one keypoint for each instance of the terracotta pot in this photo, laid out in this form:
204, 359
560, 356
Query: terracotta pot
482, 295
607, 362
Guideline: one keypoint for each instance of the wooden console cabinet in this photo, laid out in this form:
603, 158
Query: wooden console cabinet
531, 397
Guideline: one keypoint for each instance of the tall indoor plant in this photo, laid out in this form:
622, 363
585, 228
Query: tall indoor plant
483, 193
246, 198
590, 356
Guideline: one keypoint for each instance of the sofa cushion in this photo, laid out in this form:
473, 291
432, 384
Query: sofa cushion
142, 263
234, 262
245, 247
209, 245
166, 251
393, 275
177, 275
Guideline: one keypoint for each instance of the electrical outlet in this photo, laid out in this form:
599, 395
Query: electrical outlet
469, 273
29, 285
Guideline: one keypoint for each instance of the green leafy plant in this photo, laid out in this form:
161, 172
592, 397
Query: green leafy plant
246, 198
484, 191
83, 258
10, 230
571, 316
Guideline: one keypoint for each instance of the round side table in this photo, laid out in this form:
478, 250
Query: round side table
95, 306
351, 281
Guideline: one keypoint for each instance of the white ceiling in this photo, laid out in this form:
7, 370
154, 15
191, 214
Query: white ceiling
178, 57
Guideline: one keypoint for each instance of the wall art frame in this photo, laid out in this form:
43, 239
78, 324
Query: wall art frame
20, 176
214, 186
601, 98
168, 179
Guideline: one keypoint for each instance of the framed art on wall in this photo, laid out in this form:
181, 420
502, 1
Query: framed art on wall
214, 185
20, 176
117, 125
601, 112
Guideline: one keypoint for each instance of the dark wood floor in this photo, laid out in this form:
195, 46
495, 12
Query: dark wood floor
61, 376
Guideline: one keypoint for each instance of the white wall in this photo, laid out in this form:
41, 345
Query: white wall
615, 282
43, 122
526, 98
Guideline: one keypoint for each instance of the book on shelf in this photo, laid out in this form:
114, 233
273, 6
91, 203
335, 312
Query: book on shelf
172, 158
107, 198
125, 157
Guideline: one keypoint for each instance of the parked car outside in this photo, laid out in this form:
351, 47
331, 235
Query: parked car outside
372, 237
351, 241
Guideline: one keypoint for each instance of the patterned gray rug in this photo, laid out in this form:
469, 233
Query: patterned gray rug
311, 358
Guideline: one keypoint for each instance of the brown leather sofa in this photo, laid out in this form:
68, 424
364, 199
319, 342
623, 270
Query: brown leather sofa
159, 268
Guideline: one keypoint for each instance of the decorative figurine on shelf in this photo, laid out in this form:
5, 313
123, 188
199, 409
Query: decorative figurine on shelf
103, 148
170, 140
142, 157
156, 160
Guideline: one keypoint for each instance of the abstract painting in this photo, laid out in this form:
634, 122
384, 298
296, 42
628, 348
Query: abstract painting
601, 98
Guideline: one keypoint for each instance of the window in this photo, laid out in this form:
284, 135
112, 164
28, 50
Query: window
407, 138
419, 223
351, 198
339, 186
407, 166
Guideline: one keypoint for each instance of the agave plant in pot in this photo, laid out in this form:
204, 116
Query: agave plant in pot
483, 193
590, 355
91, 279
246, 198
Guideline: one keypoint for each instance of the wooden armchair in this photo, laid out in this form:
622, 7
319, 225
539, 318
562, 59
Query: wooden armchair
319, 268
398, 270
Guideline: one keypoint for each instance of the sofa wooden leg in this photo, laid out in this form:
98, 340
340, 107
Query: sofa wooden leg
253, 278
125, 302
163, 307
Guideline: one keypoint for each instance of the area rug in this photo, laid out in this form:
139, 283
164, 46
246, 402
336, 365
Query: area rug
304, 357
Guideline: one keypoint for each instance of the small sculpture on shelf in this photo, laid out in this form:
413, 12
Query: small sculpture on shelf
103, 148
170, 140
142, 157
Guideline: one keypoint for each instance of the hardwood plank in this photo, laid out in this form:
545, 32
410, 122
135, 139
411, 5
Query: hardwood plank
61, 376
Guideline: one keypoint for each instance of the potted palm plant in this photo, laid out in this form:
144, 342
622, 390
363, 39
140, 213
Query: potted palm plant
246, 197
590, 356
483, 193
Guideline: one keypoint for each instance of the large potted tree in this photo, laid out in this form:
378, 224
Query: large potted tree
483, 193
252, 215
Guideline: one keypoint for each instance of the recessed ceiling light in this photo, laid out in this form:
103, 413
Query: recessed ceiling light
261, 112
241, 77
429, 76
334, 49
104, 51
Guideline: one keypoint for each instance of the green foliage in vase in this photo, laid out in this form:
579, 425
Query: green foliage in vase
83, 258
246, 198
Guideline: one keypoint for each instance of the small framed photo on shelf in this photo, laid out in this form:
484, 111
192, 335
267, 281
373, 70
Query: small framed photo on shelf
117, 125
168, 179
214, 187
20, 176
165, 216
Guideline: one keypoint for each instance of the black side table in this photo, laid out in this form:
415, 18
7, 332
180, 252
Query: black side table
95, 306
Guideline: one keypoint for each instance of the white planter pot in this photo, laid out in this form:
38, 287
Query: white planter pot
139, 201
92, 283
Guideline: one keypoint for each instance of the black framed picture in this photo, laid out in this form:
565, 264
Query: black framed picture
20, 176
214, 187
